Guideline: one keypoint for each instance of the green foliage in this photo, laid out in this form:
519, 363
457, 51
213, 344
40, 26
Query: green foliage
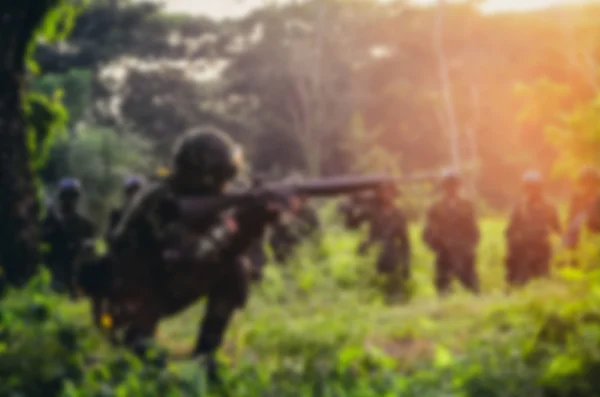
101, 159
45, 115
319, 328
46, 119
73, 87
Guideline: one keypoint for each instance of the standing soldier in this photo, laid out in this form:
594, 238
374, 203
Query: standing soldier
451, 231
531, 223
588, 186
131, 186
65, 234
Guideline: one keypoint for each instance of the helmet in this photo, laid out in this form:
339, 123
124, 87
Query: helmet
69, 187
133, 183
588, 176
207, 155
532, 178
450, 177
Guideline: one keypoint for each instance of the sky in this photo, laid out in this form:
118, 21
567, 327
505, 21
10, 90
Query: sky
235, 8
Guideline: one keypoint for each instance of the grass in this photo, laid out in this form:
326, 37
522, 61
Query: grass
327, 300
319, 326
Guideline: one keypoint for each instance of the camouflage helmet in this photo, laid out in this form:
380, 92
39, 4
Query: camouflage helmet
69, 188
208, 155
532, 178
588, 176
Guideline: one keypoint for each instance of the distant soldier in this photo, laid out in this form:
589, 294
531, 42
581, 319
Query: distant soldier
452, 232
531, 224
66, 235
588, 191
131, 187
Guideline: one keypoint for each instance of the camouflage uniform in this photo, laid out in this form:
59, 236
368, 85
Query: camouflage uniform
65, 234
528, 234
452, 232
159, 266
131, 187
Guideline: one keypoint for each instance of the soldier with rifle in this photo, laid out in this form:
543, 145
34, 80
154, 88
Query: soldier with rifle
530, 226
186, 238
66, 235
452, 232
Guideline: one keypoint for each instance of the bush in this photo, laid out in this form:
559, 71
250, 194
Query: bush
317, 329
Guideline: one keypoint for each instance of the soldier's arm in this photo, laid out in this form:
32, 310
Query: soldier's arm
236, 233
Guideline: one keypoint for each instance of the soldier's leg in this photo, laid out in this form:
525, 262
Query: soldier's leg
542, 260
442, 274
227, 296
468, 275
516, 270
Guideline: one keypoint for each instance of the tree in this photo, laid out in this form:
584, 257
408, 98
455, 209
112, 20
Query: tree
22, 22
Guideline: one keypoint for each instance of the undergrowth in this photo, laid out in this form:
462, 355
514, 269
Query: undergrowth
320, 326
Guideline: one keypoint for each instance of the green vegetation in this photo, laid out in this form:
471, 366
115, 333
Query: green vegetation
319, 327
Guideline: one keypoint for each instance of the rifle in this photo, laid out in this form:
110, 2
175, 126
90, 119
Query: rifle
197, 208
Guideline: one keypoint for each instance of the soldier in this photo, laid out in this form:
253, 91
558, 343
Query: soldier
451, 231
66, 235
131, 186
161, 262
588, 186
531, 223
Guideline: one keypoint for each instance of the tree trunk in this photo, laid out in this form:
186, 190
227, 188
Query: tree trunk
19, 252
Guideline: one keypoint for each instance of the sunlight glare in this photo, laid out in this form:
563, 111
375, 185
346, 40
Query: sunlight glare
236, 8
